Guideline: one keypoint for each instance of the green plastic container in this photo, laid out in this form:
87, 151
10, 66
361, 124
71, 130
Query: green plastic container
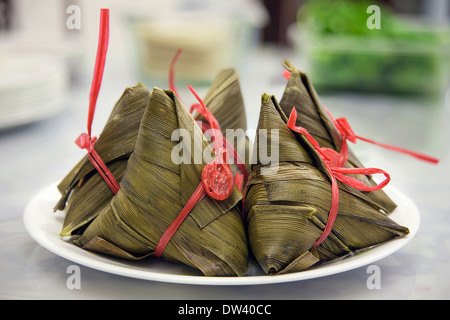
344, 54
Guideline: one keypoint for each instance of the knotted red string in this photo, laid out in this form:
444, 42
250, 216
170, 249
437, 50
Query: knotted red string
347, 134
240, 178
85, 140
216, 182
333, 163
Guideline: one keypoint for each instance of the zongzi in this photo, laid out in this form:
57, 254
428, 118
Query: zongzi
153, 191
84, 192
300, 94
287, 212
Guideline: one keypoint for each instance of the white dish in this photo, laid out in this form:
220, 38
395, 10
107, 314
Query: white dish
44, 226
32, 87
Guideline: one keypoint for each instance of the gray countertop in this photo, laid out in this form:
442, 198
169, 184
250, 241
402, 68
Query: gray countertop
36, 155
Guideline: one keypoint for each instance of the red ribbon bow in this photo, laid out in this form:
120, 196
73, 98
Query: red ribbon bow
334, 163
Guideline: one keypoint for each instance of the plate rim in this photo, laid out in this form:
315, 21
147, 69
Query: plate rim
85, 258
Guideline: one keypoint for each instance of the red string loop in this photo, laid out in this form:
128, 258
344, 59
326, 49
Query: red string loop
334, 163
213, 124
216, 182
85, 140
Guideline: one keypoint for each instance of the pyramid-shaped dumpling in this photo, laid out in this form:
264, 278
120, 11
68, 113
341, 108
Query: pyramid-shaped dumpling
153, 191
83, 190
286, 211
300, 94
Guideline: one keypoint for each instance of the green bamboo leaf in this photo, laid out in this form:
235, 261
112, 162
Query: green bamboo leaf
300, 93
83, 191
225, 101
153, 192
286, 212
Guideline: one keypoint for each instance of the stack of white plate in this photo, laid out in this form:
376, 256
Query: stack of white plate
32, 88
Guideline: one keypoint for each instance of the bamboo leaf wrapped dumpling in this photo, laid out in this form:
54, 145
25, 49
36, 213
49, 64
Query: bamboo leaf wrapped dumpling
300, 94
154, 190
83, 191
286, 212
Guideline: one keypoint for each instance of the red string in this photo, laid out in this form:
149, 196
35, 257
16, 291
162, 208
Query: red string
236, 157
102, 48
172, 72
216, 182
239, 180
86, 141
199, 108
202, 110
198, 195
347, 133
209, 117
333, 164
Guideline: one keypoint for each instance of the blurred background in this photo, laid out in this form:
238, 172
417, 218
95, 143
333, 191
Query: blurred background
384, 68
47, 45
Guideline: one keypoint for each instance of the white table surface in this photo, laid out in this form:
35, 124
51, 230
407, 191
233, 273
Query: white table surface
36, 155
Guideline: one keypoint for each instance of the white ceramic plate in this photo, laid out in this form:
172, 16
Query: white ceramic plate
44, 226
32, 87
